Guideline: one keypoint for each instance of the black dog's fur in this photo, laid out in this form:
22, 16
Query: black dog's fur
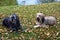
12, 22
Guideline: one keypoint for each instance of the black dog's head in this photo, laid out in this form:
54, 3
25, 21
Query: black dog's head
13, 18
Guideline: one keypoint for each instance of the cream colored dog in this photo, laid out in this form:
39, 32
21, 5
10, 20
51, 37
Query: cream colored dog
42, 20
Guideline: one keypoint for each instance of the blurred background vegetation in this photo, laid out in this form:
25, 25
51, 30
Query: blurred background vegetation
7, 2
24, 2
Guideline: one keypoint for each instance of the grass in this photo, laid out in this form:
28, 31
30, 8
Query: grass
27, 15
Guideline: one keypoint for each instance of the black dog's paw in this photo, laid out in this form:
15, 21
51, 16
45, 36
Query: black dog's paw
17, 32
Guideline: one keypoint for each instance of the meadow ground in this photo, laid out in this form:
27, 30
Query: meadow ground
27, 15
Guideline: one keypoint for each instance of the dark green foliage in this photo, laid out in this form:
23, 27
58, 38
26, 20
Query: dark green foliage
7, 2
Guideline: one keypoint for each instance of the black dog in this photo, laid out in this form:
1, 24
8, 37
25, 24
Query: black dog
12, 22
